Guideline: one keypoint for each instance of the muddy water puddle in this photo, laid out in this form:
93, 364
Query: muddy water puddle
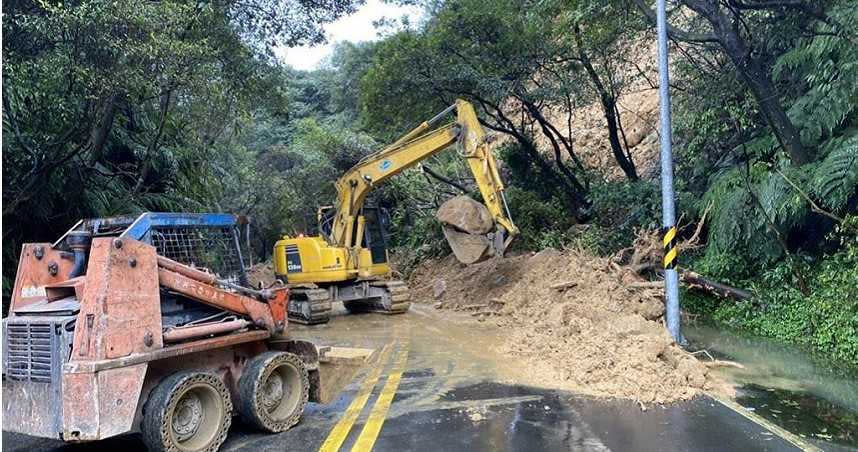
449, 345
786, 385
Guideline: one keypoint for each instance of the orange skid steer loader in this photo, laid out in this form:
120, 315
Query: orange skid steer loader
107, 336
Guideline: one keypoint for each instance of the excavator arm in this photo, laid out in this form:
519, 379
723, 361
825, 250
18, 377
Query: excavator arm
417, 145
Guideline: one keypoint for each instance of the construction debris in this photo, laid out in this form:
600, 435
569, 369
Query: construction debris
643, 260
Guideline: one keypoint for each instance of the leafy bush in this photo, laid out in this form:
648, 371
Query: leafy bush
826, 320
621, 208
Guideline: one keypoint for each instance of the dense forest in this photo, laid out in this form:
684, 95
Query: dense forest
121, 107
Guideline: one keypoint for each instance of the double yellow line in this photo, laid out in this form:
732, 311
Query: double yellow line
378, 413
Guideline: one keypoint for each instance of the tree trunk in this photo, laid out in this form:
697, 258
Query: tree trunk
101, 127
758, 78
762, 88
549, 133
575, 196
609, 103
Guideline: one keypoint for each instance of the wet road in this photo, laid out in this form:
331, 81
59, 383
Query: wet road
441, 387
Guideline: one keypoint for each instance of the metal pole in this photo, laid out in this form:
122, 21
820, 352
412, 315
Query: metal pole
668, 211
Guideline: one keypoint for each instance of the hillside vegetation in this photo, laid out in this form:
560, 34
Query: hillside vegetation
118, 107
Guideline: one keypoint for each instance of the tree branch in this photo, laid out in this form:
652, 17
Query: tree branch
430, 172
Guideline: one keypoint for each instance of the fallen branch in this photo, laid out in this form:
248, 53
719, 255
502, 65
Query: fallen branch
723, 363
696, 281
471, 307
646, 285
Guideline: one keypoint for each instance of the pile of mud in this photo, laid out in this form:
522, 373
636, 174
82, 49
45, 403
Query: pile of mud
573, 321
261, 274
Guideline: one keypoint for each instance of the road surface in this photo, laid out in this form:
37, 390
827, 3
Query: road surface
441, 387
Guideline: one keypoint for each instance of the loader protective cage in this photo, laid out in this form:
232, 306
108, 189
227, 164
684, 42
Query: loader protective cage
203, 240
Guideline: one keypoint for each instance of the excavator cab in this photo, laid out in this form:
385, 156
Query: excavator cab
376, 229
375, 237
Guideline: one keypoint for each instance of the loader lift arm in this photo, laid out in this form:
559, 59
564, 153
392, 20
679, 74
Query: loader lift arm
415, 146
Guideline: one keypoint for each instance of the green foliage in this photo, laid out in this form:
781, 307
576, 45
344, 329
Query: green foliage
614, 219
749, 209
826, 61
541, 221
119, 107
621, 208
826, 320
835, 179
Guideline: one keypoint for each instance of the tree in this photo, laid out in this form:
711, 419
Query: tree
116, 107
595, 33
730, 30
493, 54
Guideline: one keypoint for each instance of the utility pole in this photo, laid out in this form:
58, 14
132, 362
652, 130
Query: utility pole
668, 209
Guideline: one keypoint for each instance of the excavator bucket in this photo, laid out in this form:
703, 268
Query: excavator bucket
469, 230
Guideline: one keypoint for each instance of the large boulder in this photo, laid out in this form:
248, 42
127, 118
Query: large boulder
466, 215
468, 248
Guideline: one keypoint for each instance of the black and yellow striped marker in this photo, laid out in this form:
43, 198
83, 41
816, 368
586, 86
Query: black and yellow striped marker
670, 251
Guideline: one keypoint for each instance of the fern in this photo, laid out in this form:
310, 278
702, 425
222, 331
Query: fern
740, 222
828, 64
835, 179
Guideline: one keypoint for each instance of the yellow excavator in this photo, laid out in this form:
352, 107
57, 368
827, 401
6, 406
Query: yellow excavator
348, 260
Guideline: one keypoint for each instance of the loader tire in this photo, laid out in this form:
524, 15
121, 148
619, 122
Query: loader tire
273, 391
187, 411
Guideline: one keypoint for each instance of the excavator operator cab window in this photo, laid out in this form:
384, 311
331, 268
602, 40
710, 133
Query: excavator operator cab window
326, 222
376, 221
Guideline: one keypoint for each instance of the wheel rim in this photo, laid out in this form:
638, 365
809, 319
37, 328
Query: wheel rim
196, 418
281, 391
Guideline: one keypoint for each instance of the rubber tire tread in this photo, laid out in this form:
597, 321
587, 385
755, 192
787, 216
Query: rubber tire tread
249, 383
154, 410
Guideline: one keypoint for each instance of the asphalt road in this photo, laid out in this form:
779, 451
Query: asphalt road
439, 387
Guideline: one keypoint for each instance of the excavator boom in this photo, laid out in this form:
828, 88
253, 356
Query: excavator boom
415, 146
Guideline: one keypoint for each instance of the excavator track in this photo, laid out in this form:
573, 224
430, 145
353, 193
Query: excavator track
387, 297
396, 300
309, 306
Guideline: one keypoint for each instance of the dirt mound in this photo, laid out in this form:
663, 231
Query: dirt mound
574, 320
261, 273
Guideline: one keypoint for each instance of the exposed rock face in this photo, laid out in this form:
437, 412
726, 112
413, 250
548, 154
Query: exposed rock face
465, 214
